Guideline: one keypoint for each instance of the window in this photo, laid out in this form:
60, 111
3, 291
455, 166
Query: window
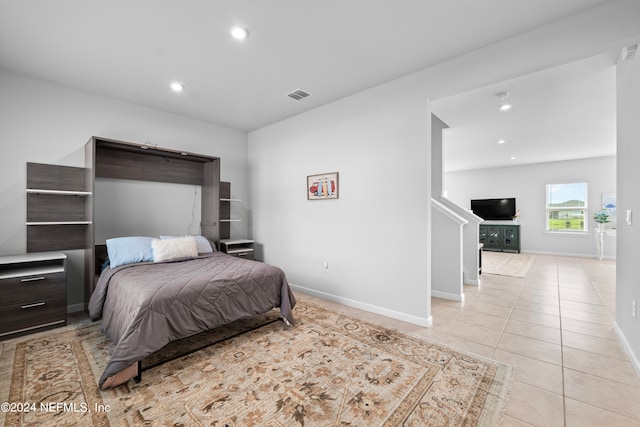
567, 207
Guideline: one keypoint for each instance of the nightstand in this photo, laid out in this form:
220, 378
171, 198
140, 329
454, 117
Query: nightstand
33, 293
242, 248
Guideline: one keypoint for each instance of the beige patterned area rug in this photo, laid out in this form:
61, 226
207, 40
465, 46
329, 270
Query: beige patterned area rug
328, 370
506, 264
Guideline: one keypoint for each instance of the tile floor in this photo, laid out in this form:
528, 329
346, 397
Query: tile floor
555, 327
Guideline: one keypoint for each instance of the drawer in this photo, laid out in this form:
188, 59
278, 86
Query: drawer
24, 316
28, 289
245, 255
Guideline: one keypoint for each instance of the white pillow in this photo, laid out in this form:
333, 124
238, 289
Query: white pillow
174, 249
204, 245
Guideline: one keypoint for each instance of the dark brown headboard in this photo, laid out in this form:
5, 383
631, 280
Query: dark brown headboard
100, 257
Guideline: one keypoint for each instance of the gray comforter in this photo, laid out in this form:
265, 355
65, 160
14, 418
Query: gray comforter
144, 306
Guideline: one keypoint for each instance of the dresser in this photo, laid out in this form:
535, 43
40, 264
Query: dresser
33, 293
500, 237
242, 248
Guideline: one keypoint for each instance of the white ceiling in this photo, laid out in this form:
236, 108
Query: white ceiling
562, 113
132, 50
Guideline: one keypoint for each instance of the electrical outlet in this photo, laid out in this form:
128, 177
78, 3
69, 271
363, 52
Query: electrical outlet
325, 265
633, 308
627, 214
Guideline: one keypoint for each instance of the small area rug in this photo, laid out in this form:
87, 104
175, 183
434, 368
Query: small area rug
328, 370
506, 264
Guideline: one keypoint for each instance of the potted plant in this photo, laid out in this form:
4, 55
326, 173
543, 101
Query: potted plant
601, 217
515, 217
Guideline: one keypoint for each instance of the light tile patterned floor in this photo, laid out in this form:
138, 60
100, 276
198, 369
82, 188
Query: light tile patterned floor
555, 327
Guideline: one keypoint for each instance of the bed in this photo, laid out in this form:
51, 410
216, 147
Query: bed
145, 305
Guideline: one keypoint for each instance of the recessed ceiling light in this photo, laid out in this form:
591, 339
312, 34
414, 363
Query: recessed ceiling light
501, 141
502, 96
177, 87
239, 33
512, 158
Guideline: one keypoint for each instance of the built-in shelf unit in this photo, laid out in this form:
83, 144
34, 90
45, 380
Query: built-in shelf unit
57, 207
225, 210
236, 247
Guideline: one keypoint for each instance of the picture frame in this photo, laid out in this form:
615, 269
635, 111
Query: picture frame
323, 186
609, 205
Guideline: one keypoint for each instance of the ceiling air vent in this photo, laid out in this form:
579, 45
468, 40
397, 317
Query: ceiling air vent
629, 52
298, 94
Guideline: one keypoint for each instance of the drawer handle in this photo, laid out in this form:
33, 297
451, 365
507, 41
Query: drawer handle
38, 304
32, 279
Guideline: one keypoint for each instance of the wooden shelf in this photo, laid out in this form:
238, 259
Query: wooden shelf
225, 210
242, 248
58, 192
237, 241
57, 207
238, 247
59, 223
31, 265
238, 250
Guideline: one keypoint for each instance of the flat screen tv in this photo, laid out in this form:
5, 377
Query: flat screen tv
494, 209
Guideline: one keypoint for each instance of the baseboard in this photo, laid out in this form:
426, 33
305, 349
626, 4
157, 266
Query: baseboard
568, 254
447, 295
467, 281
420, 321
627, 348
72, 308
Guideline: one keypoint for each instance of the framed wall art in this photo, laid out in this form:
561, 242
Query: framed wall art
610, 206
323, 186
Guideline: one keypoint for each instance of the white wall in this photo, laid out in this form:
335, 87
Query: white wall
132, 208
627, 276
48, 123
437, 159
447, 254
527, 184
374, 236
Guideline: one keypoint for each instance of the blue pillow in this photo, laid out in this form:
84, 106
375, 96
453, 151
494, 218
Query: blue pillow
127, 250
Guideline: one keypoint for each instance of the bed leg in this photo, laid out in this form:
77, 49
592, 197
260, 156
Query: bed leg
138, 377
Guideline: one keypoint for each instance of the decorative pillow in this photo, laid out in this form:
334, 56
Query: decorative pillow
205, 246
174, 249
127, 250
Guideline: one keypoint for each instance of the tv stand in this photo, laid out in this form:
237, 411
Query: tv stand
500, 237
